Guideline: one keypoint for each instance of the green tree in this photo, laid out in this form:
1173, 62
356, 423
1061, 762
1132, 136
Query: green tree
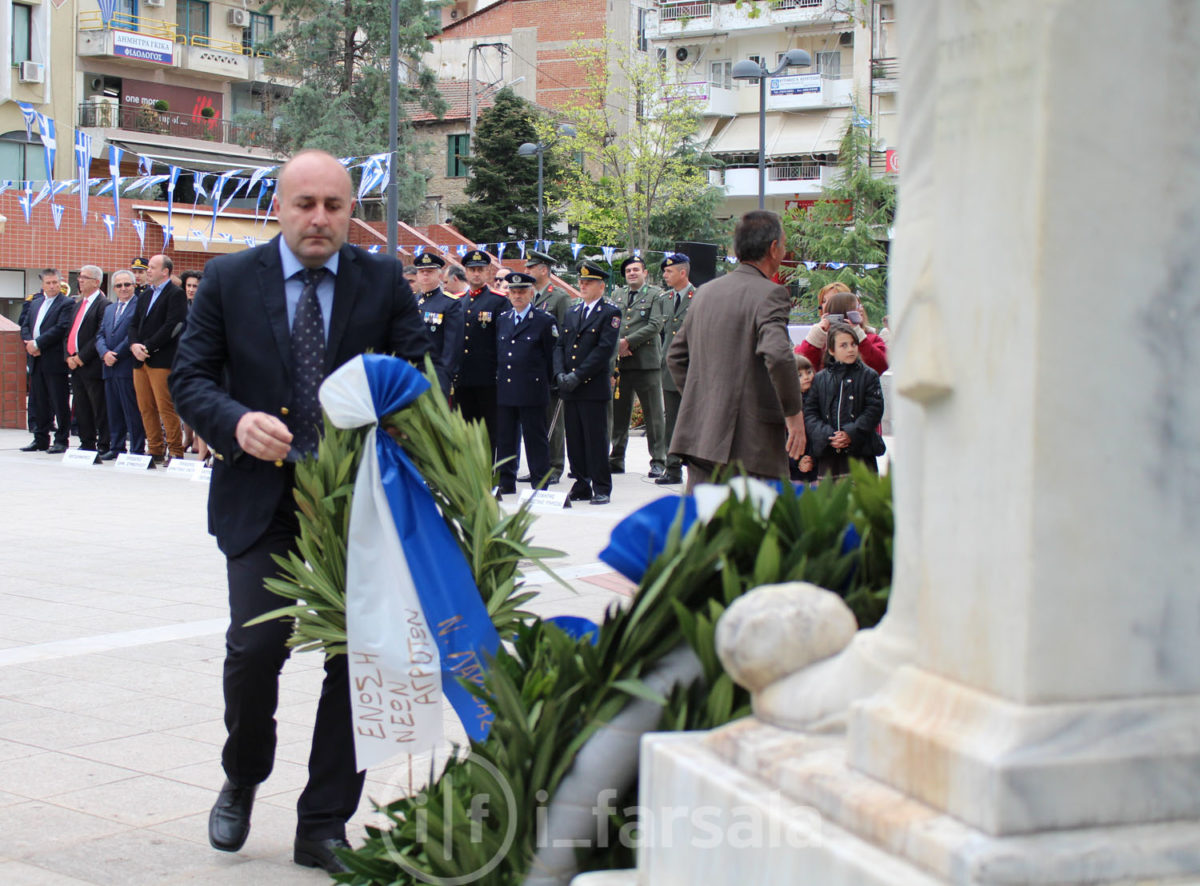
502, 192
699, 221
636, 129
338, 56
848, 224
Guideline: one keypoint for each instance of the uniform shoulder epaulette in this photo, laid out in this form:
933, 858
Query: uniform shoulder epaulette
454, 295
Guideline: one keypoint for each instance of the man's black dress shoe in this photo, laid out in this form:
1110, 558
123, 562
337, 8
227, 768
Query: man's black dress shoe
57, 449
507, 490
615, 468
158, 459
600, 499
656, 472
35, 446
319, 854
229, 821
111, 455
553, 478
669, 479
580, 493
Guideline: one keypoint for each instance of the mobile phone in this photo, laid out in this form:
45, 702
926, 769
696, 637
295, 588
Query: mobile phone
835, 318
854, 317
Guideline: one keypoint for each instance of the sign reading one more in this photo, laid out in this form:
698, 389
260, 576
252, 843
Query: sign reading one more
180, 99
795, 84
143, 47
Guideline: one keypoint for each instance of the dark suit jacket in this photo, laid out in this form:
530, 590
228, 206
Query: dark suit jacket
587, 349
732, 361
55, 326
525, 365
114, 336
236, 357
154, 326
85, 338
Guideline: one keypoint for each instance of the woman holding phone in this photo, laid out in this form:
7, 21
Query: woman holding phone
844, 307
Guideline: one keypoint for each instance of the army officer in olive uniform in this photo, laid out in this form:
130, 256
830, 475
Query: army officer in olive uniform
676, 300
557, 301
475, 387
525, 338
582, 362
442, 315
639, 361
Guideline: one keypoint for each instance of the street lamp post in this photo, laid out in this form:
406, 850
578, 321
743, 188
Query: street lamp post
747, 69
529, 149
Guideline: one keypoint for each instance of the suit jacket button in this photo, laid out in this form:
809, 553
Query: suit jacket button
283, 411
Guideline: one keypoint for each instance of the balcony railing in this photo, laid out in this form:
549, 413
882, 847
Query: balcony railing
671, 12
157, 27
143, 118
885, 68
790, 172
796, 4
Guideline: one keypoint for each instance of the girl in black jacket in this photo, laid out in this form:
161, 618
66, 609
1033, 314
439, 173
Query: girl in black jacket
843, 409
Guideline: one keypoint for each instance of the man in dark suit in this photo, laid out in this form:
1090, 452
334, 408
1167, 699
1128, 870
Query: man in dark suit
112, 343
442, 315
84, 361
44, 333
266, 326
583, 362
525, 340
153, 337
475, 386
732, 361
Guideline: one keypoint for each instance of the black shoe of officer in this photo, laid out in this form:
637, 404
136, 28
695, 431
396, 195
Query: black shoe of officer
670, 478
229, 821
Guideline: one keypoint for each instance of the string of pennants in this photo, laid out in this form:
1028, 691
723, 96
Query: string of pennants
376, 175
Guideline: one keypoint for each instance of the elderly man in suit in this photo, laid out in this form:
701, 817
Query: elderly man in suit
268, 324
44, 333
154, 335
738, 399
87, 379
112, 343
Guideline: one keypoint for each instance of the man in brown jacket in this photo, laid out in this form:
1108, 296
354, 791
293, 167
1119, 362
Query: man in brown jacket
732, 361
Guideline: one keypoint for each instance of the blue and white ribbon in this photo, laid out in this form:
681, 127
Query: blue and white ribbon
56, 211
415, 623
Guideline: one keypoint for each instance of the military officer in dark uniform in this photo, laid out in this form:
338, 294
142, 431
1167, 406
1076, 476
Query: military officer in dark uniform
677, 298
639, 360
583, 369
557, 301
475, 387
442, 315
139, 266
525, 338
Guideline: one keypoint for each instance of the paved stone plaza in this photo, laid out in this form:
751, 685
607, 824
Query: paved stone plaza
112, 617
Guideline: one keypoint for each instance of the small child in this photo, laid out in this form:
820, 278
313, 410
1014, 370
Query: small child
843, 409
802, 470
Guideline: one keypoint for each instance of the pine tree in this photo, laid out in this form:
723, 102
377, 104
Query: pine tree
848, 224
337, 53
502, 192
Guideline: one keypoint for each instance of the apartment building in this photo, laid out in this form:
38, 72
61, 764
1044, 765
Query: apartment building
807, 109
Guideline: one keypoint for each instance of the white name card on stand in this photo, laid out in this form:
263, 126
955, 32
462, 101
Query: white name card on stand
183, 469
545, 499
80, 458
203, 475
127, 461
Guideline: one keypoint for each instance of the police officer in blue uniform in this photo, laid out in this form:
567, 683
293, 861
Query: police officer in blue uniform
441, 313
525, 338
475, 386
583, 370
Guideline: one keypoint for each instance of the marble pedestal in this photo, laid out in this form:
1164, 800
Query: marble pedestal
752, 805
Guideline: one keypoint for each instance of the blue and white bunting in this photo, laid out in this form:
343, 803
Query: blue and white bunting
373, 248
168, 233
462, 249
732, 259
49, 142
418, 249
42, 195
110, 224
29, 114
445, 248
83, 164
140, 227
114, 170
482, 247
811, 265
500, 247
107, 9
26, 200
56, 212
145, 165
608, 252
521, 247
415, 623
577, 248
836, 265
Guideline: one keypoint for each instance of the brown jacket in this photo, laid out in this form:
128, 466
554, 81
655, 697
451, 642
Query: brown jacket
733, 363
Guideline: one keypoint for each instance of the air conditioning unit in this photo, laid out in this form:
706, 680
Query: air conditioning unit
239, 18
846, 38
103, 110
155, 2
688, 54
32, 72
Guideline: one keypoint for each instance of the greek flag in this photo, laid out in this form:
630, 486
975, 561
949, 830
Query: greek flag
49, 142
83, 162
110, 224
107, 9
114, 169
415, 623
576, 248
29, 115
56, 210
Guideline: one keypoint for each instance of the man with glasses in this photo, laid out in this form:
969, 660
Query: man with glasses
83, 359
112, 343
44, 333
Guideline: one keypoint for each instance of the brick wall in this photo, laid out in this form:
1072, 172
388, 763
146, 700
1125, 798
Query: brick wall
12, 377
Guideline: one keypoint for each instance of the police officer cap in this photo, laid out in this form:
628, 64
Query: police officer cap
476, 258
533, 257
592, 271
671, 259
429, 260
516, 279
631, 260
139, 264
